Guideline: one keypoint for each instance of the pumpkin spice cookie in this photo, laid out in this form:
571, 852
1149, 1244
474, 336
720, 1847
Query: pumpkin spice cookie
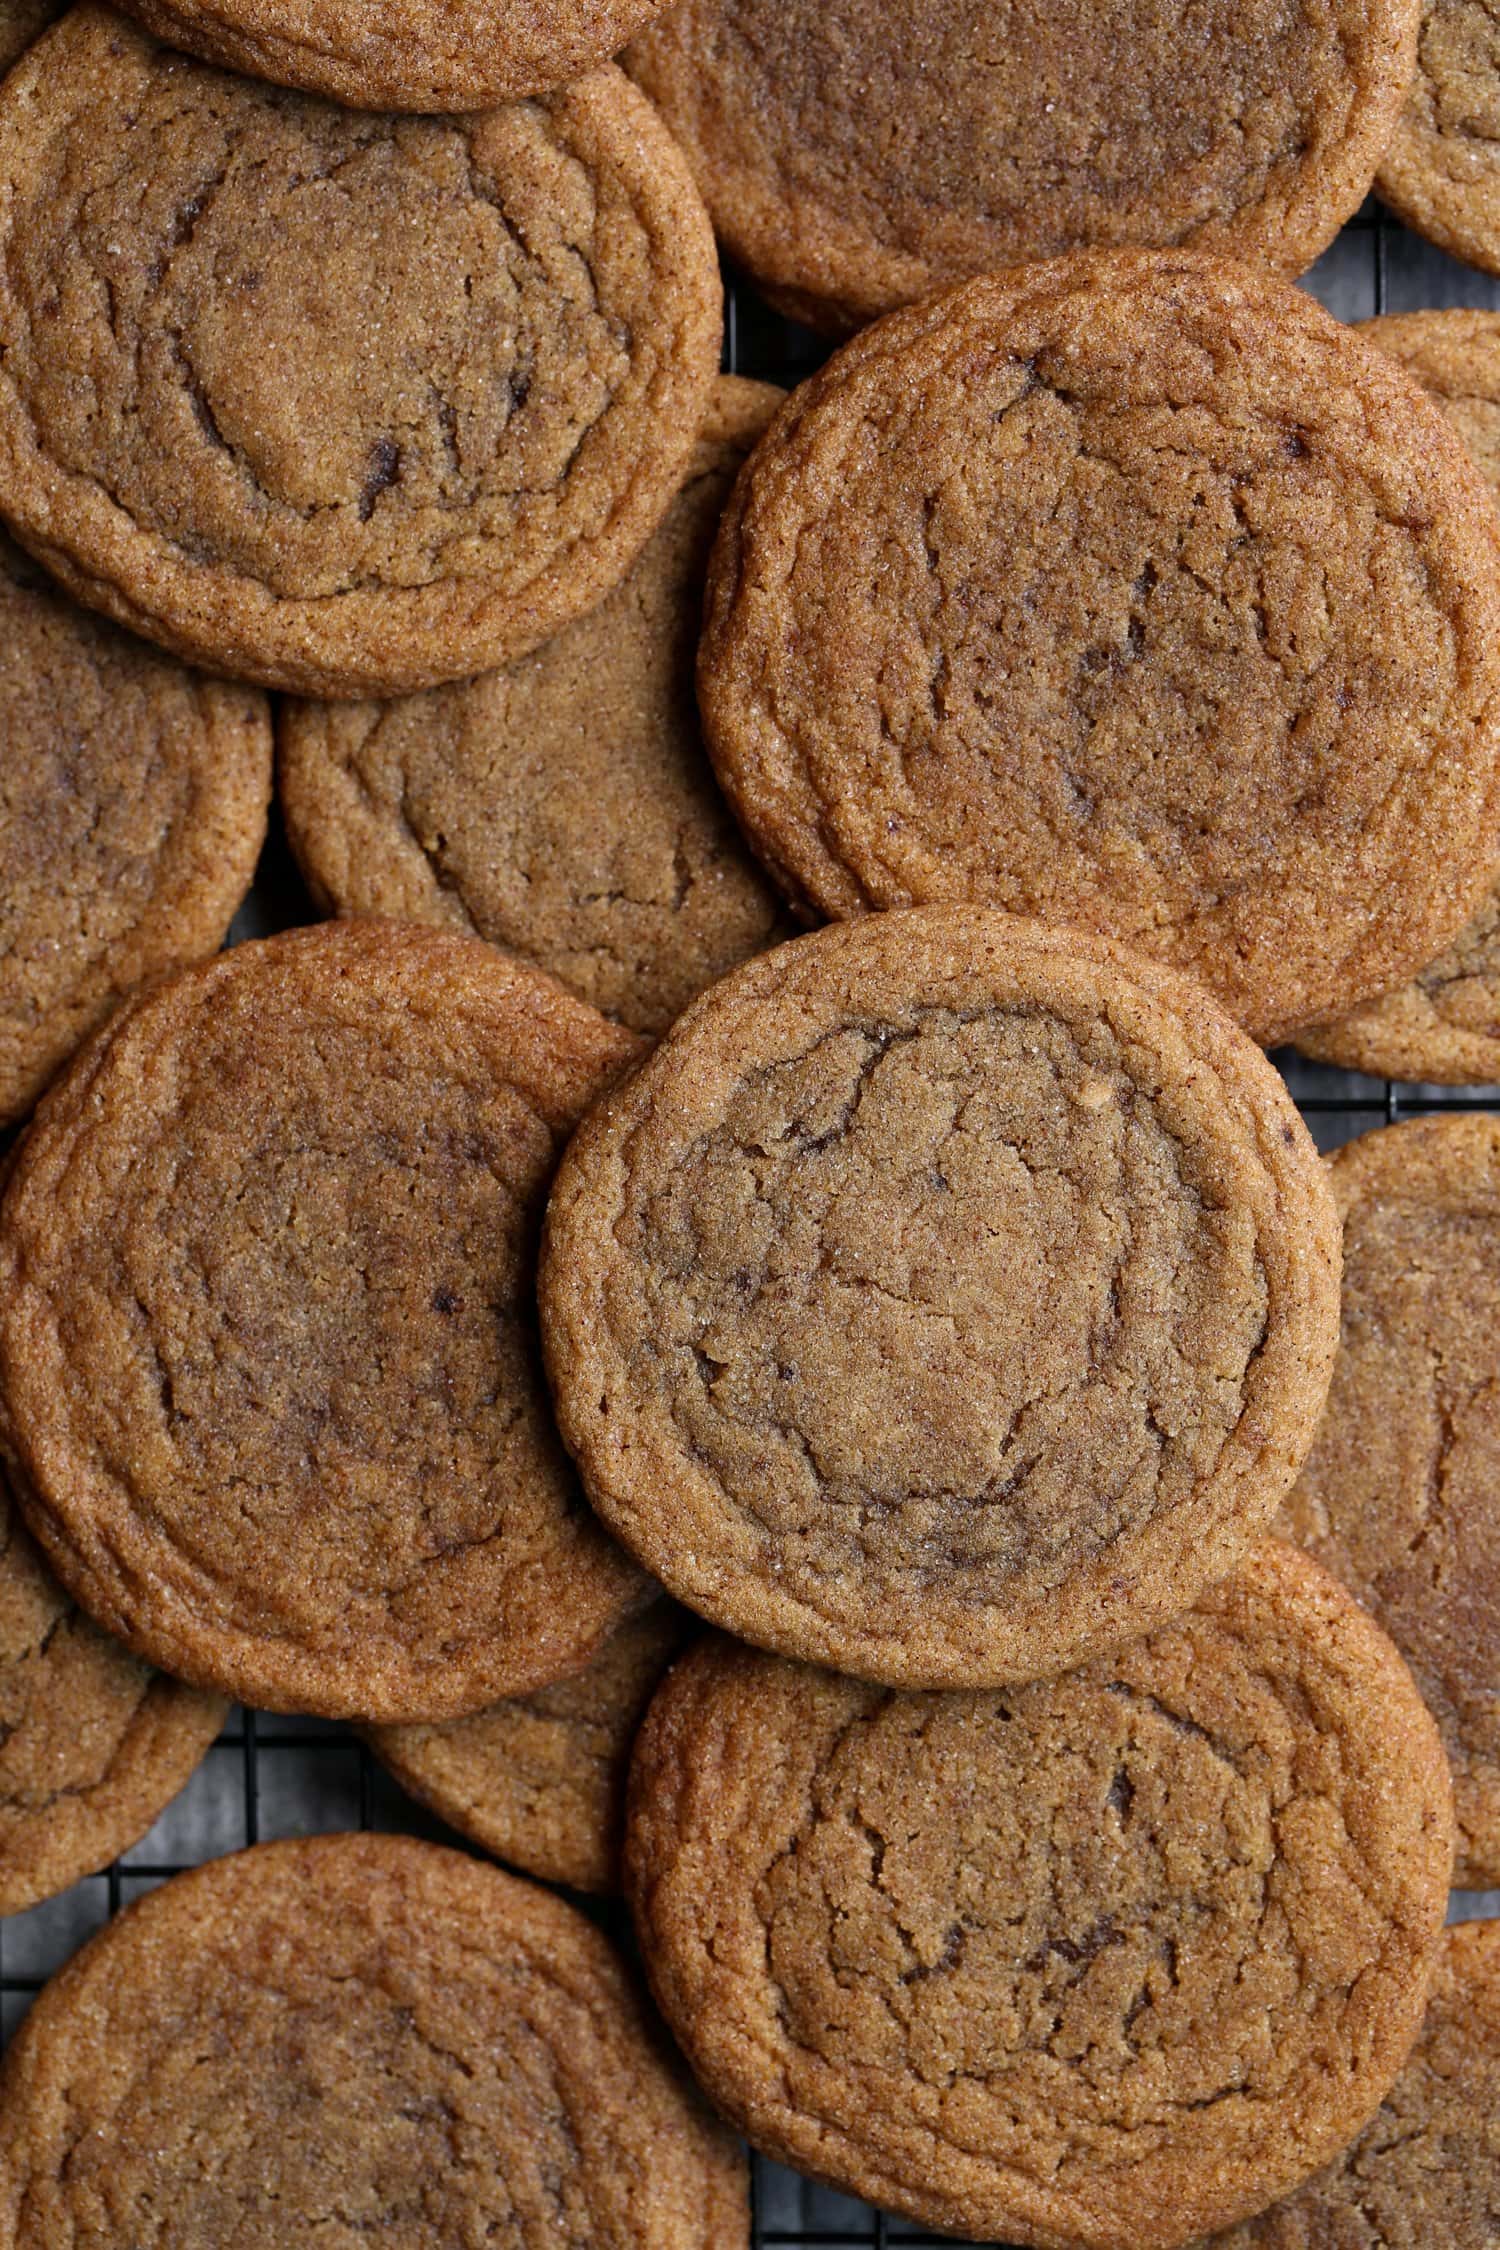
856, 158
355, 2039
1132, 592
563, 809
92, 1745
1444, 1026
20, 22
133, 803
946, 1298
402, 54
1441, 169
1426, 2169
346, 404
1400, 1495
267, 1354
540, 1780
1112, 1958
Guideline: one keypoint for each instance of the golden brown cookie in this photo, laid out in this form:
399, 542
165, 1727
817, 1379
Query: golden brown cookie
20, 21
1441, 170
1425, 2173
1400, 1496
1444, 1026
563, 809
268, 1359
856, 157
1133, 592
1105, 1960
540, 1779
132, 811
402, 54
355, 2039
946, 1298
92, 1745
348, 404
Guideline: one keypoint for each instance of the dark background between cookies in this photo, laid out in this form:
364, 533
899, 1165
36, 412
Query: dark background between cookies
268, 1777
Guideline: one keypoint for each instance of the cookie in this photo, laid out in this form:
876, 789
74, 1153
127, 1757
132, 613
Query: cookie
132, 811
540, 1780
564, 809
1444, 1026
20, 21
1426, 2169
1113, 1958
1441, 170
92, 1745
1135, 593
355, 2038
345, 404
946, 1298
1399, 1496
855, 159
268, 1360
410, 55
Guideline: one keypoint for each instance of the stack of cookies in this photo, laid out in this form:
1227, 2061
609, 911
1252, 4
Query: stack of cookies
749, 1307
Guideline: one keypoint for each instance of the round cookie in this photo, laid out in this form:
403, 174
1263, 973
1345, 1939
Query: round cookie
347, 404
92, 1745
1444, 1026
563, 809
540, 1780
20, 21
855, 158
355, 2038
1132, 592
1113, 1958
1400, 1495
133, 803
402, 54
1426, 2169
946, 1298
1441, 169
267, 1349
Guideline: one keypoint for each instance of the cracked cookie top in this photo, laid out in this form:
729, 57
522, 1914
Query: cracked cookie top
92, 1744
133, 803
1115, 1957
268, 1359
564, 808
1441, 169
540, 1779
946, 1298
1133, 592
1400, 1495
1426, 2169
402, 54
388, 2040
347, 404
857, 158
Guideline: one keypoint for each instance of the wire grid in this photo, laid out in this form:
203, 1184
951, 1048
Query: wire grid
269, 1776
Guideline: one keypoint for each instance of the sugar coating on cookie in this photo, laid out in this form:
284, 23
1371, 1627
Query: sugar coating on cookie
133, 800
1399, 1496
1441, 169
1133, 592
356, 2037
944, 1299
1444, 1026
340, 402
402, 54
563, 808
93, 1745
1116, 1957
1425, 2170
268, 1356
856, 158
539, 1780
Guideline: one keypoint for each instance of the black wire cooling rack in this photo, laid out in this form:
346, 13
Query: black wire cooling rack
268, 1777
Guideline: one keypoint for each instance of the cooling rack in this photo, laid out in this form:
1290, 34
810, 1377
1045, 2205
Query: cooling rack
268, 1777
